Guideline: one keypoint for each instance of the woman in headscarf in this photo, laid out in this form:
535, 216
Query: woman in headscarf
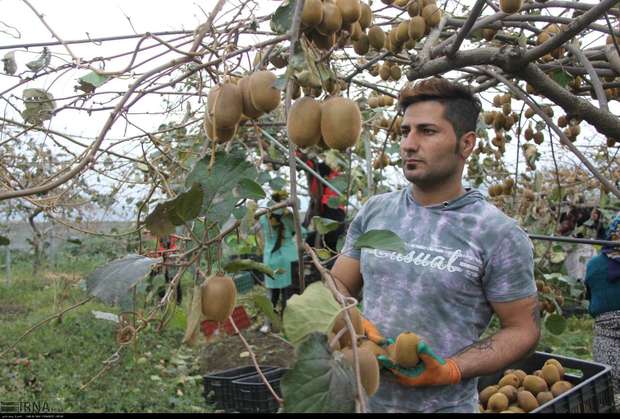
603, 291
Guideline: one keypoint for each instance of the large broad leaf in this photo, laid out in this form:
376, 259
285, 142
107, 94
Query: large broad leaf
282, 19
381, 239
91, 81
266, 307
248, 265
183, 208
39, 106
249, 189
218, 183
318, 382
112, 283
9, 63
561, 77
324, 225
555, 323
41, 62
4, 241
313, 311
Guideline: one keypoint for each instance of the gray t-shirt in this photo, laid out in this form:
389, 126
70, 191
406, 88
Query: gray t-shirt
460, 256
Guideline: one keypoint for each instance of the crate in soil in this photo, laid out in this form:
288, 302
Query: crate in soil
253, 396
592, 391
244, 282
218, 386
239, 315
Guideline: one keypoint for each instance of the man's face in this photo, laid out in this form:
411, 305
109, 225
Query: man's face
428, 145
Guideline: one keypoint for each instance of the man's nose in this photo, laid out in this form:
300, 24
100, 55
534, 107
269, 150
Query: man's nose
410, 142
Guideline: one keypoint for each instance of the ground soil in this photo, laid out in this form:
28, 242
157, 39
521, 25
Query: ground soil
230, 352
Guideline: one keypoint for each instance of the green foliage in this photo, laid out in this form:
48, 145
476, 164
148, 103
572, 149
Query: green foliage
381, 239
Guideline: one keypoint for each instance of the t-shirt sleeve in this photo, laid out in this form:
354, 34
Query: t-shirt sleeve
356, 229
509, 272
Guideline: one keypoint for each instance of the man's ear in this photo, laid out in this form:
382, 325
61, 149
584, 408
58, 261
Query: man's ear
467, 144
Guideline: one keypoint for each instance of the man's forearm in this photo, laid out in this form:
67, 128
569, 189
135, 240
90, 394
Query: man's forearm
497, 351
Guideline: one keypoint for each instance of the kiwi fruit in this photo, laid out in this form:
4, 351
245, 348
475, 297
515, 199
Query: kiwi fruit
510, 6
488, 34
550, 374
486, 393
312, 13
543, 397
350, 10
332, 19
402, 32
417, 27
516, 409
395, 74
560, 387
387, 100
248, 108
510, 392
373, 347
304, 122
369, 368
489, 117
376, 37
534, 384
341, 122
263, 94
356, 31
414, 7
362, 45
557, 364
406, 350
432, 15
218, 295
365, 16
380, 162
321, 41
509, 379
373, 101
527, 401
224, 104
498, 402
384, 72
221, 135
340, 323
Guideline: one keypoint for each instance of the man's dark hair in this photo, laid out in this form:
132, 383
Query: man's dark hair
461, 107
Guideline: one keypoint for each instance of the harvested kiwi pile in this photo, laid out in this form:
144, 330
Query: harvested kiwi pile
519, 392
404, 351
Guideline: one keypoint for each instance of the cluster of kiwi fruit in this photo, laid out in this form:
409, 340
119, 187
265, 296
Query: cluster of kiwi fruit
378, 101
549, 296
381, 161
237, 100
389, 70
336, 122
504, 188
519, 392
392, 125
546, 34
218, 294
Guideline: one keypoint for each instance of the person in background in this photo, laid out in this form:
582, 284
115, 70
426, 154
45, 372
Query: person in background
279, 253
594, 227
603, 291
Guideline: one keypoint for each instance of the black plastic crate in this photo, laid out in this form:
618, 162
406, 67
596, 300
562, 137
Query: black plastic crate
244, 282
220, 383
253, 396
592, 392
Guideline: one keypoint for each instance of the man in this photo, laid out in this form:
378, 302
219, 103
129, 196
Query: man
464, 261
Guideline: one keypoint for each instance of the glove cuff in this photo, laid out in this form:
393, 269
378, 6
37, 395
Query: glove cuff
454, 371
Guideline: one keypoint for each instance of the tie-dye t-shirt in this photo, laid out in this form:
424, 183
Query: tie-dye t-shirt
460, 256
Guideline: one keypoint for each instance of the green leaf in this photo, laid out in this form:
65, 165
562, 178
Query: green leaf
111, 283
277, 183
89, 82
39, 105
183, 208
4, 241
179, 319
266, 307
238, 265
41, 62
323, 254
381, 239
324, 225
319, 382
555, 324
249, 189
282, 19
9, 63
239, 212
158, 222
313, 311
187, 204
561, 77
557, 257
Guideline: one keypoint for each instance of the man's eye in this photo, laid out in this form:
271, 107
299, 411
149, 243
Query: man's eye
428, 131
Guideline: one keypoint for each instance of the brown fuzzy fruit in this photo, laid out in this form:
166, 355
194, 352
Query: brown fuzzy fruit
248, 109
515, 409
350, 10
218, 296
221, 135
509, 379
417, 27
362, 45
366, 16
510, 6
376, 37
551, 374
543, 397
384, 72
534, 384
488, 34
406, 350
486, 394
560, 387
356, 31
321, 41
557, 364
402, 32
432, 15
263, 94
510, 392
340, 323
369, 368
414, 7
498, 402
224, 104
527, 401
304, 122
312, 13
332, 19
519, 373
395, 74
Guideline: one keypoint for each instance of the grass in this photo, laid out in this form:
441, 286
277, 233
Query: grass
51, 364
